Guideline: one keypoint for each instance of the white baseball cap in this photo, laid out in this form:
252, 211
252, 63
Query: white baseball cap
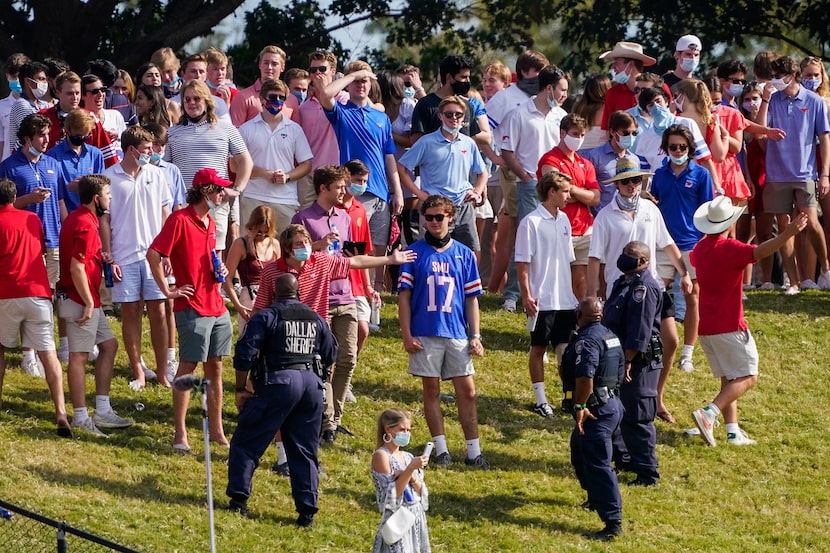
688, 42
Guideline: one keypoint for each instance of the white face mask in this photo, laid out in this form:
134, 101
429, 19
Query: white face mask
779, 84
573, 142
40, 90
678, 103
689, 64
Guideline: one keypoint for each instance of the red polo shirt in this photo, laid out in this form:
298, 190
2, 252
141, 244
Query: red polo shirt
360, 233
22, 270
186, 240
79, 239
584, 176
98, 137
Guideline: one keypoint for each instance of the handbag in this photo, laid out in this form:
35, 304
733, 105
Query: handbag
397, 525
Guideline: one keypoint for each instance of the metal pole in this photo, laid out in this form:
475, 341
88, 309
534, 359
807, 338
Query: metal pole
205, 427
61, 539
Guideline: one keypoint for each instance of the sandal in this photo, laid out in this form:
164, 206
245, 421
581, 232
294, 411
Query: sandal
666, 416
182, 449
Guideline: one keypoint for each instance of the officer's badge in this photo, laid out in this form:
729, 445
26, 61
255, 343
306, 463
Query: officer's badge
639, 293
579, 346
577, 362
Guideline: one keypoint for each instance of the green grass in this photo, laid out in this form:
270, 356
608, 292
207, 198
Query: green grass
770, 497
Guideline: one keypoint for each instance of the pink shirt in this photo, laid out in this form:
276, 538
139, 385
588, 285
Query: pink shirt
319, 133
246, 105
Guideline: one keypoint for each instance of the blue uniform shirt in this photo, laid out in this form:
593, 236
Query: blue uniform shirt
632, 310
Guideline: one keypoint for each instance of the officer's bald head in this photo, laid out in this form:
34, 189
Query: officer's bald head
635, 248
285, 287
589, 311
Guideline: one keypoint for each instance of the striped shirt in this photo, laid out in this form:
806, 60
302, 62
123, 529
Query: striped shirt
313, 280
193, 147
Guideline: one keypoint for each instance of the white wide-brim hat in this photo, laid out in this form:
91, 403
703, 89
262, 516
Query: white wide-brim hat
630, 50
717, 216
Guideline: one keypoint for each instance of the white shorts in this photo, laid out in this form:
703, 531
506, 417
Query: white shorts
29, 318
731, 355
441, 357
364, 310
667, 271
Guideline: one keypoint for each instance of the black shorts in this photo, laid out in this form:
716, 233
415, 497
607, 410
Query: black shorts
668, 304
553, 327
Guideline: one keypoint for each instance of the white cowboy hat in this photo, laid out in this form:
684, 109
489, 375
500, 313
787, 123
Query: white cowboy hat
630, 50
717, 216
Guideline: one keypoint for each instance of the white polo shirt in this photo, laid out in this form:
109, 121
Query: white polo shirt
136, 211
544, 241
614, 229
529, 134
274, 149
502, 103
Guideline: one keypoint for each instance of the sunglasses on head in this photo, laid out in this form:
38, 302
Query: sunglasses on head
437, 217
678, 147
318, 69
453, 114
632, 180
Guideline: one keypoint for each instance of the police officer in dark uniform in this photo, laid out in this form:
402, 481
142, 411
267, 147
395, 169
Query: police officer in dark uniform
287, 349
592, 370
632, 312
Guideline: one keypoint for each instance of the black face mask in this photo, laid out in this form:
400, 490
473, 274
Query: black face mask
439, 243
99, 210
75, 140
626, 263
529, 86
196, 119
460, 88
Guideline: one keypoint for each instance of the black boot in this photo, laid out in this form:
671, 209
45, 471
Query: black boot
612, 530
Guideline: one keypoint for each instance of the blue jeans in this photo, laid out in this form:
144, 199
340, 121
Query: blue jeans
526, 201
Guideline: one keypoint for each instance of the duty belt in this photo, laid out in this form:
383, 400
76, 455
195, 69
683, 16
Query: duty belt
601, 395
268, 377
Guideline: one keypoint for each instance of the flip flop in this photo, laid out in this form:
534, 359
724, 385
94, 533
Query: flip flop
182, 449
666, 416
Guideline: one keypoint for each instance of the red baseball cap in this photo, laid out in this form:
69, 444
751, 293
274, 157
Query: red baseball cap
209, 175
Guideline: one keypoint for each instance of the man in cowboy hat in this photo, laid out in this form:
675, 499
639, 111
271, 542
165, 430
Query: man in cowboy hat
627, 62
724, 336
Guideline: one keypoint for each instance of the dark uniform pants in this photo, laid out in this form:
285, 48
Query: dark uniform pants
591, 459
636, 439
293, 404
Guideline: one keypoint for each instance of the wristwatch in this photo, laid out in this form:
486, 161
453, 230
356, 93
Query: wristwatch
476, 336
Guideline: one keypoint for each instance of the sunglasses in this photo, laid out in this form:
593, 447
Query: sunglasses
437, 217
737, 81
635, 132
96, 91
678, 147
318, 69
453, 114
276, 98
632, 180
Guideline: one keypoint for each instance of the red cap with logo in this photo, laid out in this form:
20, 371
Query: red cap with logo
209, 175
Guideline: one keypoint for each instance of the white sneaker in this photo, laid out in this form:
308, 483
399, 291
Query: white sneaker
110, 420
686, 364
740, 438
350, 395
63, 355
172, 369
824, 281
88, 426
706, 422
93, 355
768, 286
808, 284
34, 368
149, 374
509, 304
792, 291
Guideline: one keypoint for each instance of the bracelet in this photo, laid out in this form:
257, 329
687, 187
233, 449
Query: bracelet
580, 406
765, 100
824, 176
475, 337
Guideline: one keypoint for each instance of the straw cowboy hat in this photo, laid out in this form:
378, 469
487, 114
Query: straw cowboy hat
626, 168
717, 216
630, 50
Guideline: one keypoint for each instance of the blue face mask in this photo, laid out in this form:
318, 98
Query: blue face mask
621, 77
356, 189
402, 439
302, 254
155, 158
211, 84
662, 118
450, 130
300, 96
626, 142
174, 83
735, 90
274, 108
34, 152
143, 159
809, 84
689, 64
14, 86
679, 160
409, 92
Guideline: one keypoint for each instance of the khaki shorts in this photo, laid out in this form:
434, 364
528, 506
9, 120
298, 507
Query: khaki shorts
581, 246
282, 213
731, 355
507, 180
53, 266
83, 338
779, 197
667, 271
441, 357
305, 190
30, 319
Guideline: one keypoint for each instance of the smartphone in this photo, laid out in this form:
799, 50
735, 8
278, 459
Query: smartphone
354, 248
531, 322
428, 449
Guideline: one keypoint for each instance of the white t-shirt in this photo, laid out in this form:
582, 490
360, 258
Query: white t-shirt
113, 122
544, 241
274, 149
136, 211
614, 229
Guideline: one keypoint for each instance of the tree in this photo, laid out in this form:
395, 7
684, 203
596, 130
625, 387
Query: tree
126, 32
